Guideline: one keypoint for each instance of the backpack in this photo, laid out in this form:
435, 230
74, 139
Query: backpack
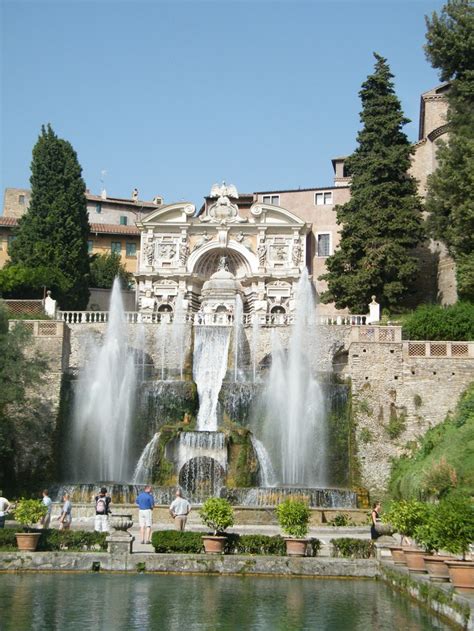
101, 505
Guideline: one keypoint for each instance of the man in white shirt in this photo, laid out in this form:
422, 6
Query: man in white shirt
179, 510
48, 502
4, 506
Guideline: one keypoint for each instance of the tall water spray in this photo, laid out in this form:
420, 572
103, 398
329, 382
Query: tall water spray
294, 429
238, 339
211, 349
178, 332
103, 404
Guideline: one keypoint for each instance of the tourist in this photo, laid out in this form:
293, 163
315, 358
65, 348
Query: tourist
102, 510
146, 503
4, 506
179, 510
65, 518
374, 519
47, 501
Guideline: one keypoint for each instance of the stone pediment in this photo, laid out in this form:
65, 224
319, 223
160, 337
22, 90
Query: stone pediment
274, 215
178, 213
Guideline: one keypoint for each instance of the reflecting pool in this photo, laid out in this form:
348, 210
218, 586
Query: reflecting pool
168, 603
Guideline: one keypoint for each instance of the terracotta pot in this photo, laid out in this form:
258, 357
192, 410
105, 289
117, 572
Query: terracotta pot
397, 555
214, 544
437, 568
27, 541
415, 559
296, 547
461, 574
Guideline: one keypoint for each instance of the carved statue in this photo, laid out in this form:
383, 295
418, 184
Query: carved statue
296, 253
224, 190
183, 252
150, 252
135, 195
204, 239
262, 253
147, 302
243, 239
223, 264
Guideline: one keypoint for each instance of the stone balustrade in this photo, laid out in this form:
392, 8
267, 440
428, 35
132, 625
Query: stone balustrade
207, 319
369, 333
41, 328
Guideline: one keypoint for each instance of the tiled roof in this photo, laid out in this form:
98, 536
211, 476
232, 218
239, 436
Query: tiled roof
109, 228
119, 200
8, 221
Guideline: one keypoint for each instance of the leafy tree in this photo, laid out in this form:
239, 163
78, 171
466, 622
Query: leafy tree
381, 224
17, 281
105, 267
450, 200
53, 232
19, 374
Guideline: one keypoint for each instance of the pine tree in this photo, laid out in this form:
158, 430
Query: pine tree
450, 200
381, 224
53, 232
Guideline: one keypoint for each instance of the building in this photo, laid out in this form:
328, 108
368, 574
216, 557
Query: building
112, 221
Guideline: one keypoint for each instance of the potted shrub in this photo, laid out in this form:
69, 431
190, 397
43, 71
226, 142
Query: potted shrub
455, 530
217, 514
28, 513
293, 517
404, 517
427, 535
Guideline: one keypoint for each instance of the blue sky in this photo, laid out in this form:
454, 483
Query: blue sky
171, 97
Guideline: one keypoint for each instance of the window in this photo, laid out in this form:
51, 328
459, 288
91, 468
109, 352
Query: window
271, 199
131, 249
323, 199
98, 208
90, 246
21, 200
324, 244
116, 247
123, 220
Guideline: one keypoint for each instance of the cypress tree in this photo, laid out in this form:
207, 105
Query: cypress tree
381, 224
53, 232
450, 200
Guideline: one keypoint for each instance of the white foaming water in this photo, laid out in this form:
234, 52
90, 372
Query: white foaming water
142, 473
295, 421
140, 343
103, 406
202, 444
255, 338
178, 332
211, 349
267, 473
238, 338
160, 337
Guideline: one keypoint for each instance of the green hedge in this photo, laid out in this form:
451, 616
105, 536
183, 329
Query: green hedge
166, 541
353, 548
50, 540
433, 322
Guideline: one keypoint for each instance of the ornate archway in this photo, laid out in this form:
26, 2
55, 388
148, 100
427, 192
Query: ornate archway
241, 261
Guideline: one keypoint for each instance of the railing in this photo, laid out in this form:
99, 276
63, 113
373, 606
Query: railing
369, 333
207, 319
40, 328
439, 350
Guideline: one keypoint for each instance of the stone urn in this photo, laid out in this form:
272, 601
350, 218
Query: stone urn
120, 541
121, 522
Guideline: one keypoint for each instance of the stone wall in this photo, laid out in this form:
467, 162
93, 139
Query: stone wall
397, 398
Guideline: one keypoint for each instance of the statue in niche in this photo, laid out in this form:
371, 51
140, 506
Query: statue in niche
183, 253
203, 240
296, 253
223, 265
150, 252
262, 253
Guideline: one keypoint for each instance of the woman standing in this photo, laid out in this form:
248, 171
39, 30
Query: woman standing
374, 519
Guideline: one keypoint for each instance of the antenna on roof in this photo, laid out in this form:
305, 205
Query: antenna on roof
103, 192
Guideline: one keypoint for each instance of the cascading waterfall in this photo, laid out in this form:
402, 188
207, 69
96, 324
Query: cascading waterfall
140, 343
160, 337
294, 429
238, 338
211, 348
178, 332
267, 473
103, 405
142, 473
255, 338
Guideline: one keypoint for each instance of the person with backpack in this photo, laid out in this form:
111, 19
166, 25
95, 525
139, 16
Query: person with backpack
102, 511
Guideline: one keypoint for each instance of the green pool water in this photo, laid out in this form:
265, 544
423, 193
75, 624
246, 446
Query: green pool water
188, 603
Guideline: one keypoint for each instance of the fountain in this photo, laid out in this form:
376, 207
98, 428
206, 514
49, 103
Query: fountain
104, 399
